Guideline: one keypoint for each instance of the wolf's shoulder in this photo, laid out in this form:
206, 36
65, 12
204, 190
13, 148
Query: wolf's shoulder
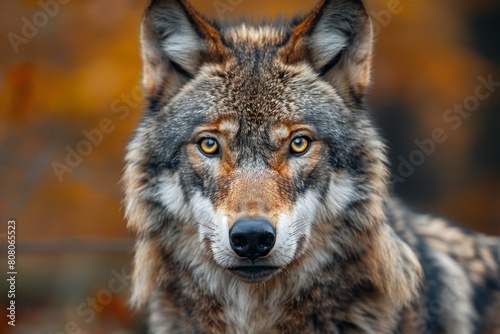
461, 268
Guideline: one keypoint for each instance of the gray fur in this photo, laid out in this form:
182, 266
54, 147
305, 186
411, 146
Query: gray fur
348, 257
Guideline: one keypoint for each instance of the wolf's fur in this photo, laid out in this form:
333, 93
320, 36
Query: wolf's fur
349, 258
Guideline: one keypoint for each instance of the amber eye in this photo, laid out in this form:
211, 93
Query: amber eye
299, 145
209, 146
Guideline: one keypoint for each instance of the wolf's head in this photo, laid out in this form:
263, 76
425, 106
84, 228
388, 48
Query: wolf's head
255, 153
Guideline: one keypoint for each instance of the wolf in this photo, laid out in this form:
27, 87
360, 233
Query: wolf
257, 188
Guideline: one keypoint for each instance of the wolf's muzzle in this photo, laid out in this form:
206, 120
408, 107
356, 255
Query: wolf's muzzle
252, 238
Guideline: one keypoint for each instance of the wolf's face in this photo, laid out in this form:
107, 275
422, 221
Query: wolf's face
253, 158
255, 137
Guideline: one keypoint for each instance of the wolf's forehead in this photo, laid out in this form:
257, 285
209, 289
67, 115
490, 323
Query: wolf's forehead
263, 35
232, 127
253, 97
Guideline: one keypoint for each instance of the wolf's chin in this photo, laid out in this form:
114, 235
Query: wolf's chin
254, 274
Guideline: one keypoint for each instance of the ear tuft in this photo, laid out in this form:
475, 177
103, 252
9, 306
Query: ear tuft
176, 41
336, 38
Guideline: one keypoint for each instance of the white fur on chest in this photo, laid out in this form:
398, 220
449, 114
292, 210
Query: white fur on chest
245, 309
250, 309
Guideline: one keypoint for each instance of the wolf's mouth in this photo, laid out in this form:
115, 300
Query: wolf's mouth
254, 274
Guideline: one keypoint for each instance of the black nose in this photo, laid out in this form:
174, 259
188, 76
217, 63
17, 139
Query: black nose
252, 238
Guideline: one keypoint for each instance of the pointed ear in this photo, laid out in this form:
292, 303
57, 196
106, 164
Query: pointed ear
336, 38
176, 41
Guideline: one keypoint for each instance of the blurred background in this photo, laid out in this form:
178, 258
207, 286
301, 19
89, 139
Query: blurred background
70, 98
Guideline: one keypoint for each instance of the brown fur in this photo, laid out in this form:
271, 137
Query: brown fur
347, 258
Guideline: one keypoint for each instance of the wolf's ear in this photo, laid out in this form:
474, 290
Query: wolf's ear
336, 38
176, 41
